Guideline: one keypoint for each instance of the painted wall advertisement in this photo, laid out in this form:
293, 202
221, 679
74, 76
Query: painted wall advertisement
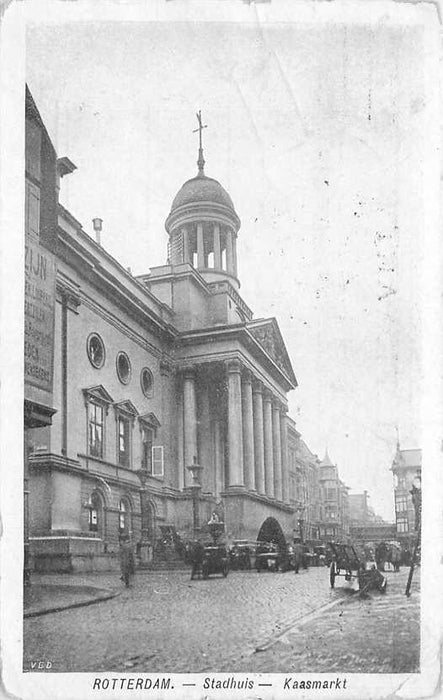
39, 315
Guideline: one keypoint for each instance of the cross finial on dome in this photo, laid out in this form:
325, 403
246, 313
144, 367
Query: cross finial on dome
201, 160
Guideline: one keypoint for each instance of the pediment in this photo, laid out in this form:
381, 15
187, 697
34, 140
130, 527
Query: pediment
99, 393
126, 407
267, 333
151, 420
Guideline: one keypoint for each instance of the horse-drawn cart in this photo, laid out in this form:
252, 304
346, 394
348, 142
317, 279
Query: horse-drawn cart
346, 563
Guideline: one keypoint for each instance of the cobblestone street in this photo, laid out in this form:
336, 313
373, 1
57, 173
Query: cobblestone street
167, 623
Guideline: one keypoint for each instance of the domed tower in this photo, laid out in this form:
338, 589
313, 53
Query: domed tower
203, 225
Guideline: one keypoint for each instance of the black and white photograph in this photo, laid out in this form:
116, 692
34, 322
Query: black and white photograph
224, 286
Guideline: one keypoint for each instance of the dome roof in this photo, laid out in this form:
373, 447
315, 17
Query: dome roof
201, 189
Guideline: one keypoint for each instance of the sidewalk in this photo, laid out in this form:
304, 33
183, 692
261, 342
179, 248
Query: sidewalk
42, 598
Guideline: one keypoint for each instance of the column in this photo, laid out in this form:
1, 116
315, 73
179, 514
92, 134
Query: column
235, 441
200, 247
217, 248
229, 252
257, 400
189, 420
284, 454
185, 236
268, 447
248, 430
234, 253
276, 439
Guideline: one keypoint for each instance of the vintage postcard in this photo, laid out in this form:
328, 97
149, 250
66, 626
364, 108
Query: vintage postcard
221, 358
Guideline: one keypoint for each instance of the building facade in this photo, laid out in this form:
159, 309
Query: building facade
406, 468
334, 497
153, 375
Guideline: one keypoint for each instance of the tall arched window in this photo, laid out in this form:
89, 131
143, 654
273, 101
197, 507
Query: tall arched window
124, 517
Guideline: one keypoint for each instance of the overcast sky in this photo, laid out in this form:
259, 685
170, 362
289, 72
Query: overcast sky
315, 130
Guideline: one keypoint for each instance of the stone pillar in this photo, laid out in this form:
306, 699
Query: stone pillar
284, 454
235, 437
257, 399
200, 247
185, 236
234, 253
229, 252
276, 439
189, 420
248, 431
268, 446
217, 248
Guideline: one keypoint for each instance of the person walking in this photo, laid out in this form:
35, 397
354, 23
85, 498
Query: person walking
298, 555
127, 563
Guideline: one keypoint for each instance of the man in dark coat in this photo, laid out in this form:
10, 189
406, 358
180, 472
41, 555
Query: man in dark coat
127, 563
198, 552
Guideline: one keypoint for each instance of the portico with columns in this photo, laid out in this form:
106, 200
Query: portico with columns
233, 372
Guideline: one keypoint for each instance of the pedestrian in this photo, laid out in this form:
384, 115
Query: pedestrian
127, 563
198, 553
298, 555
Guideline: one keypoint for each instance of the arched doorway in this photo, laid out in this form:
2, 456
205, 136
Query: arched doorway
271, 531
96, 514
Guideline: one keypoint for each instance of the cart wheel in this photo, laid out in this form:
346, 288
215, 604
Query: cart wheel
332, 574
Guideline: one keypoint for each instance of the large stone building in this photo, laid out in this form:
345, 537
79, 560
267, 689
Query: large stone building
153, 375
406, 469
334, 497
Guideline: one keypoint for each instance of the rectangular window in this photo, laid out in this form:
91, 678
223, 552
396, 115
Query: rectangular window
147, 440
32, 210
402, 525
123, 442
331, 494
157, 460
401, 504
95, 420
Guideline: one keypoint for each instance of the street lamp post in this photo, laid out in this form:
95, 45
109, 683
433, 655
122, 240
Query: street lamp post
299, 510
195, 470
144, 537
416, 500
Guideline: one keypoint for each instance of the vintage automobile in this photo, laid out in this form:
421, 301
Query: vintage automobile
267, 557
241, 555
215, 560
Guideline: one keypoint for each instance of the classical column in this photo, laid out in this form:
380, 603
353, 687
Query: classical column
217, 248
229, 252
234, 253
268, 446
189, 420
185, 236
284, 454
276, 439
235, 438
257, 400
200, 247
248, 430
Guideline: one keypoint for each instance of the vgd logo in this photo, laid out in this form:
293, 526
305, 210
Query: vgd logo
41, 665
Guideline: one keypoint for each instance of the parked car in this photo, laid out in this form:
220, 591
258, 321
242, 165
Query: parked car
241, 555
267, 557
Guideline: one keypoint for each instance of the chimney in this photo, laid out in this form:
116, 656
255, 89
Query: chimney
97, 224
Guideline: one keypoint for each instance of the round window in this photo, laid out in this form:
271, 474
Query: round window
147, 381
123, 367
96, 350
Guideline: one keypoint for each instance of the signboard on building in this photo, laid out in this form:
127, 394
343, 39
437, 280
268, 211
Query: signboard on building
39, 316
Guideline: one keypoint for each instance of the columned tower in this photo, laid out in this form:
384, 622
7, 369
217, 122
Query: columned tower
203, 225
